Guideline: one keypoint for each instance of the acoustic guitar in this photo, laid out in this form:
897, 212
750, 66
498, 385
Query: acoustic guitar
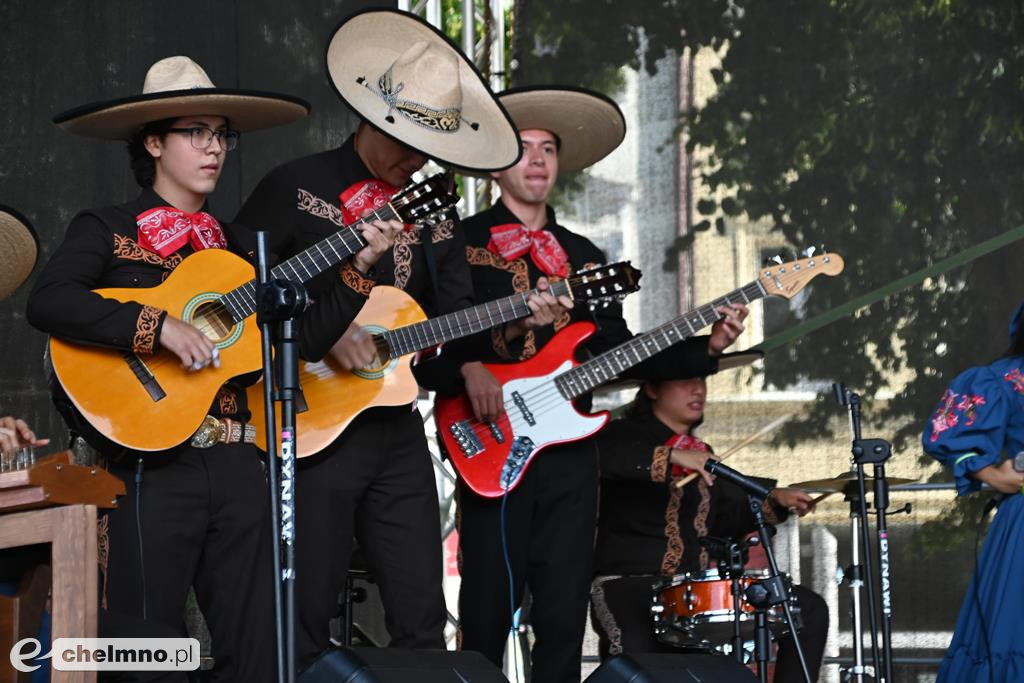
491, 457
151, 403
335, 396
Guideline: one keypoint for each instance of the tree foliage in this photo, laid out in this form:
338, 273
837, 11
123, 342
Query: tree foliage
892, 131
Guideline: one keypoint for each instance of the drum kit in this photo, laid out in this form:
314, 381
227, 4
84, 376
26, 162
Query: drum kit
723, 609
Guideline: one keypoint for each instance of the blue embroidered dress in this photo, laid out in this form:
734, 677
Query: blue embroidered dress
978, 422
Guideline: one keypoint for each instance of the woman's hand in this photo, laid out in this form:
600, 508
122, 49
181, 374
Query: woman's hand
1002, 478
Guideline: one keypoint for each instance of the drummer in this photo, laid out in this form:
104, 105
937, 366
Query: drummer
648, 528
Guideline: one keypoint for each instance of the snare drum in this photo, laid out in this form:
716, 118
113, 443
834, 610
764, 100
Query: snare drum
696, 609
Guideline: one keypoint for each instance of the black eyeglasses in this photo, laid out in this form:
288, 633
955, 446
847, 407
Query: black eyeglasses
201, 137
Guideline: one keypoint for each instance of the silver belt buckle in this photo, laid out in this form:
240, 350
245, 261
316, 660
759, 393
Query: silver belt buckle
210, 432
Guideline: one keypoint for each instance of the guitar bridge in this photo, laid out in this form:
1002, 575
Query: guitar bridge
467, 439
522, 447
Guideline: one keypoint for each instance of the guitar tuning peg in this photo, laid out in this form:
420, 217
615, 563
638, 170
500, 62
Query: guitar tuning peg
809, 252
776, 260
823, 249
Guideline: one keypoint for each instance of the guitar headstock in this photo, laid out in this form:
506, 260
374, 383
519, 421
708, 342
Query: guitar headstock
605, 283
787, 279
423, 200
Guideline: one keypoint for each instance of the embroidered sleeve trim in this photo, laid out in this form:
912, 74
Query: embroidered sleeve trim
674, 546
146, 326
659, 464
353, 279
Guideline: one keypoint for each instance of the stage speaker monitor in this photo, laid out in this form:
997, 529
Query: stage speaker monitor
666, 668
387, 665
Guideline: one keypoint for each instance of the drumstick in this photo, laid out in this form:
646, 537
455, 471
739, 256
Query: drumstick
822, 497
767, 429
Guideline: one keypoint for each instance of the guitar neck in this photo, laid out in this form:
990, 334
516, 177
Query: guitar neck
610, 364
434, 331
241, 301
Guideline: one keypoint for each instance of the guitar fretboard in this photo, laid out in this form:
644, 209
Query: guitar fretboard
610, 364
428, 333
241, 301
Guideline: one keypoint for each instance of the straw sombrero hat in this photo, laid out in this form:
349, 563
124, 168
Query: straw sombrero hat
19, 248
588, 124
174, 87
405, 78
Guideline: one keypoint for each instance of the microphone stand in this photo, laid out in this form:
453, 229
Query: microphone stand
773, 592
766, 592
279, 302
861, 536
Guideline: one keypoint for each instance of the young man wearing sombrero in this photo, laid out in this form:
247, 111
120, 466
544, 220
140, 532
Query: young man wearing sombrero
418, 97
550, 517
195, 515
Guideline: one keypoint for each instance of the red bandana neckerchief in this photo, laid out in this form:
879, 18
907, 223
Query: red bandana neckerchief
363, 198
685, 442
512, 240
164, 230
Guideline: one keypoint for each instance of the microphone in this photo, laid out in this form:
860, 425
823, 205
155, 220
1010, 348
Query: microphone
1018, 462
743, 481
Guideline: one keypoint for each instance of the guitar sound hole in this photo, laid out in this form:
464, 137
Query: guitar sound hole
213, 320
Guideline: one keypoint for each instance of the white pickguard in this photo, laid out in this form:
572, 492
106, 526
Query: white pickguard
556, 420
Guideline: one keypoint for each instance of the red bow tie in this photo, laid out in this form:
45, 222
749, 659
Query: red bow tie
363, 198
513, 240
164, 230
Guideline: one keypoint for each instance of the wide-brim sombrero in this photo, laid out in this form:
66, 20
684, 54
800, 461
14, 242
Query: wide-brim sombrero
405, 78
176, 87
19, 247
588, 124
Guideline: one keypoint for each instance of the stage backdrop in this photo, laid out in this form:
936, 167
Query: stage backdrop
60, 56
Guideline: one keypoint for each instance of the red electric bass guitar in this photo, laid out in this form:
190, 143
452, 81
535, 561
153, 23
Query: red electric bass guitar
491, 457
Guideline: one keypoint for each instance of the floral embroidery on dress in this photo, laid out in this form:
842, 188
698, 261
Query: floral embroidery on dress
1016, 378
968, 405
945, 417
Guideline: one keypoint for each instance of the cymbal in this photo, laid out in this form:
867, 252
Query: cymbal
846, 480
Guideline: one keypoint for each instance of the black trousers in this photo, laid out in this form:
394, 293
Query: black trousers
375, 484
203, 520
621, 616
549, 529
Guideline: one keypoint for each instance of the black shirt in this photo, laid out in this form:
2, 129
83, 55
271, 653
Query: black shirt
101, 249
645, 524
494, 277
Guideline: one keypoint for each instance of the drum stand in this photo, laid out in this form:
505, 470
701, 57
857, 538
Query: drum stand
768, 593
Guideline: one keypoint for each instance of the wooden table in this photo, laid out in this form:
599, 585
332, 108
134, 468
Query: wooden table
71, 532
